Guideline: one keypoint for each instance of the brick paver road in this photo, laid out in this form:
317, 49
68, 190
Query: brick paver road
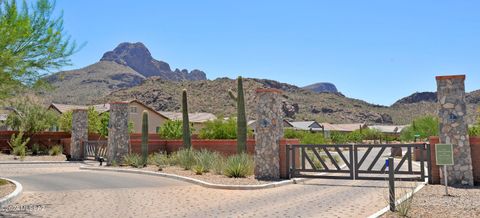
65, 191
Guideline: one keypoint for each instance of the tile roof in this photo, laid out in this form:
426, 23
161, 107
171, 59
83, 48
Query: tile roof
193, 117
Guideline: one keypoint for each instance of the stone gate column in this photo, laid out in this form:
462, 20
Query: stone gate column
118, 135
453, 127
79, 134
268, 132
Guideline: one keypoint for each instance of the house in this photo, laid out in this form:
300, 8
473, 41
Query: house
389, 129
135, 109
345, 127
251, 124
312, 126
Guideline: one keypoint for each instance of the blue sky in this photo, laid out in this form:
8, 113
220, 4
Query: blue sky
378, 51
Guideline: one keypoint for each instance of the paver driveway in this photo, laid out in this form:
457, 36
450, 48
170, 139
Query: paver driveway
66, 191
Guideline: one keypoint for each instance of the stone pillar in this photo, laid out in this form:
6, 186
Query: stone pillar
118, 135
79, 134
268, 132
453, 127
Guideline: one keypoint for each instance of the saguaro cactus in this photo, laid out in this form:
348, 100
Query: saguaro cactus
187, 140
145, 136
241, 116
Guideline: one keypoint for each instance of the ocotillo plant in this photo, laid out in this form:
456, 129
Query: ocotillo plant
241, 117
145, 136
187, 140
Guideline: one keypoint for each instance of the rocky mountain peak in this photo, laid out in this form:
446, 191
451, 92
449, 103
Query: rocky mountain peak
138, 57
418, 97
322, 87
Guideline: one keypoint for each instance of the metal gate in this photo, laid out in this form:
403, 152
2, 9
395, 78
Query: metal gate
95, 149
358, 161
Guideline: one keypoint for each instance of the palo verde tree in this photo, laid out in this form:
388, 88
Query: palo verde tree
32, 43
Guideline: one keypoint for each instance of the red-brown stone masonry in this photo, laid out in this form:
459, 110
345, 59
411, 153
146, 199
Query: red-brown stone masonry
475, 150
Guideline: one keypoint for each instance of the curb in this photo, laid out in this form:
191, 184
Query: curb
12, 196
401, 200
40, 162
196, 181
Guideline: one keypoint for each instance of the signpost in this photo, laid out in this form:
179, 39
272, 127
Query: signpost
444, 156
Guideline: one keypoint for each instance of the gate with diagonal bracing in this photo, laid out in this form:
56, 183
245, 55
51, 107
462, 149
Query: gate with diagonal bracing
95, 149
359, 161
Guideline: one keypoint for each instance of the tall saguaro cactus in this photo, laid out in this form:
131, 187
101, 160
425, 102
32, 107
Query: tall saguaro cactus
145, 136
187, 140
241, 117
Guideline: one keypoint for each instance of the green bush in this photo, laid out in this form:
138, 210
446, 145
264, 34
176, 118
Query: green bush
134, 160
18, 145
338, 138
305, 136
219, 129
185, 158
172, 129
55, 150
424, 127
239, 166
474, 130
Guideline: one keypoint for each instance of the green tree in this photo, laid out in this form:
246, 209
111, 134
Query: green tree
172, 129
32, 43
30, 116
97, 123
423, 127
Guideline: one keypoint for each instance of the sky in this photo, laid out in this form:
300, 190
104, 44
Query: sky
377, 51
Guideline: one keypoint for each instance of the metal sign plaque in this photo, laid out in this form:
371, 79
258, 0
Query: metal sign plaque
444, 154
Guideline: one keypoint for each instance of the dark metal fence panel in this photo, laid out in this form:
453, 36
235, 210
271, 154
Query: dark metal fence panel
95, 149
357, 161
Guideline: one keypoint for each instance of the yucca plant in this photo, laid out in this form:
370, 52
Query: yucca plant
185, 158
55, 150
239, 166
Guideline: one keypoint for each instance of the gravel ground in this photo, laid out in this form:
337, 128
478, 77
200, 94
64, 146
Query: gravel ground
209, 177
432, 202
6, 157
6, 189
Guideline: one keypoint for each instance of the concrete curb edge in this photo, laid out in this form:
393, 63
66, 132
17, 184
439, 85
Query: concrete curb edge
196, 181
12, 196
399, 201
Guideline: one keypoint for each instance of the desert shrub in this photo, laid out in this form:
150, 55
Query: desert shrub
3, 182
172, 129
292, 134
239, 166
18, 144
55, 150
474, 131
198, 169
185, 158
424, 127
134, 160
205, 159
372, 134
161, 160
305, 136
338, 138
30, 116
218, 165
219, 129
35, 149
